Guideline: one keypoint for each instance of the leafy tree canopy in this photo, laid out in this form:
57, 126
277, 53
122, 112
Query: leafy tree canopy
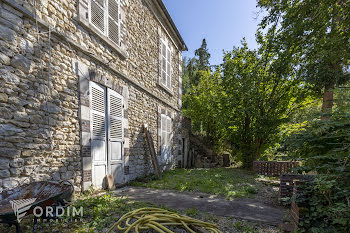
315, 36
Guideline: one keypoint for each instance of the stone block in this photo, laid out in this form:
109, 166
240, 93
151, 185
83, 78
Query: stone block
35, 119
16, 171
8, 76
7, 34
9, 130
56, 176
85, 113
10, 183
87, 163
9, 153
26, 46
4, 59
86, 185
4, 163
17, 162
52, 108
4, 173
22, 63
67, 175
85, 139
11, 17
29, 153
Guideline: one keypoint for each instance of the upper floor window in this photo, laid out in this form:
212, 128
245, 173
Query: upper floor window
165, 59
106, 17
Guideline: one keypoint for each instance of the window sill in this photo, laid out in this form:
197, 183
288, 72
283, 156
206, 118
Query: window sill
90, 28
165, 88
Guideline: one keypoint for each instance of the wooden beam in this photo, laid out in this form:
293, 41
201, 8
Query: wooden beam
152, 151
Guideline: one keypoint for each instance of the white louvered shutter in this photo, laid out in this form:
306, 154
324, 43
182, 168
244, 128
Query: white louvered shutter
164, 63
98, 133
115, 135
97, 13
114, 21
115, 116
98, 112
168, 68
122, 24
169, 138
163, 129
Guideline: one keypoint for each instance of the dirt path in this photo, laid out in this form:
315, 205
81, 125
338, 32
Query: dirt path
246, 209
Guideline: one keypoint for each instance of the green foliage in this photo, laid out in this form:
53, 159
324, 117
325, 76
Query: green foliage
313, 33
192, 212
202, 102
191, 68
324, 149
102, 211
312, 36
230, 182
245, 101
324, 204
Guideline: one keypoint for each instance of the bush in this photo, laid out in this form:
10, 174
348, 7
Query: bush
324, 148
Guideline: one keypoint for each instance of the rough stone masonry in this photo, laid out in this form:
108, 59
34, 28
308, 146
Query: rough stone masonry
49, 55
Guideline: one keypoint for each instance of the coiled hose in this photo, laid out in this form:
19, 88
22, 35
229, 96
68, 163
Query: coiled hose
157, 219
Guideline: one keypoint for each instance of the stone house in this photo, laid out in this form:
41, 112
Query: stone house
79, 79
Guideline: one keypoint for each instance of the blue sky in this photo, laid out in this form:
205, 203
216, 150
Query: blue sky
222, 22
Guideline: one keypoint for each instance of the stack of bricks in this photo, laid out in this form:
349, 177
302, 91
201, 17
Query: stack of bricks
273, 168
287, 185
294, 191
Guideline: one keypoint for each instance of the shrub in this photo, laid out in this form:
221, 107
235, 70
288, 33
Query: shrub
324, 148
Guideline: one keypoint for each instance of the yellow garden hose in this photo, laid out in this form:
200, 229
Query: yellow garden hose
157, 219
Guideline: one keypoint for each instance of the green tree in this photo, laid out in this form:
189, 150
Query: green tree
317, 33
203, 57
202, 105
193, 66
258, 95
245, 100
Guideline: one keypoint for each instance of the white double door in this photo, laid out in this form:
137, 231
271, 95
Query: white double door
106, 134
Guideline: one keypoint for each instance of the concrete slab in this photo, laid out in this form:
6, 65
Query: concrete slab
246, 209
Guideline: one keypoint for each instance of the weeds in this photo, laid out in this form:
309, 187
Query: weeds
229, 182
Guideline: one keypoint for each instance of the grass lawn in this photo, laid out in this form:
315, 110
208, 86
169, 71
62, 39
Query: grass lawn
229, 182
101, 212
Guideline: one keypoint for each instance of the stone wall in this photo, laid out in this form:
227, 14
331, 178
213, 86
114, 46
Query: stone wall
41, 119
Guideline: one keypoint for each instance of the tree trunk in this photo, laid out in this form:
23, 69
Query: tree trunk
246, 145
258, 144
327, 104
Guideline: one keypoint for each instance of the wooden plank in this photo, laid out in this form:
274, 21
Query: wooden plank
152, 151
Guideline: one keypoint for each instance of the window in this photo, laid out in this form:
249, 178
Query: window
166, 137
165, 76
106, 17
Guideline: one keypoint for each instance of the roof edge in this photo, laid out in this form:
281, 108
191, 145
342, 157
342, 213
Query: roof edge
162, 6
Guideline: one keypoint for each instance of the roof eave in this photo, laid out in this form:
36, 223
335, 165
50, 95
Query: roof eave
170, 20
